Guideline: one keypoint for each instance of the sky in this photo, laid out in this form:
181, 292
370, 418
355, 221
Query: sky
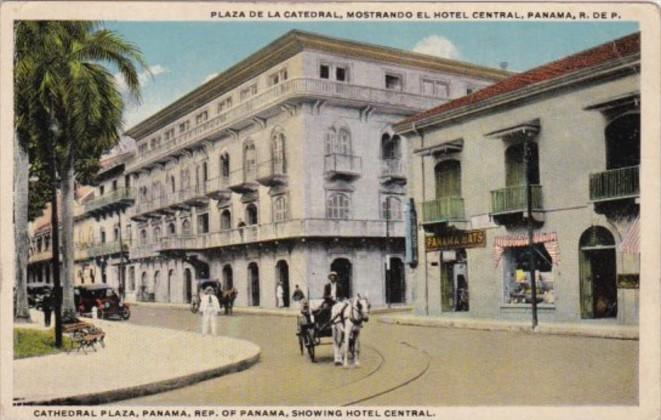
183, 55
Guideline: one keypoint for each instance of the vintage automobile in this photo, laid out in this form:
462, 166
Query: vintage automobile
36, 293
102, 296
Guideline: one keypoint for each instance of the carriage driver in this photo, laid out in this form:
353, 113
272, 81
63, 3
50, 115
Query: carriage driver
332, 290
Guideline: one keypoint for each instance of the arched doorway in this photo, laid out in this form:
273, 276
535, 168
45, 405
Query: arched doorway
395, 286
597, 273
143, 286
188, 285
282, 275
253, 284
154, 292
228, 279
343, 268
170, 279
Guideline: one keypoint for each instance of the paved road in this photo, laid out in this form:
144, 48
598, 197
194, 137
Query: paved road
406, 366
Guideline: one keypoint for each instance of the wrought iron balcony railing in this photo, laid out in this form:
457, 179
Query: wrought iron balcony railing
615, 184
443, 209
513, 199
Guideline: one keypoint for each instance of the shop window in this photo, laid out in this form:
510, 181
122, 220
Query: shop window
338, 206
280, 209
393, 82
517, 275
324, 71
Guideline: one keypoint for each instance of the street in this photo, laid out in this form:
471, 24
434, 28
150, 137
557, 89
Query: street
409, 366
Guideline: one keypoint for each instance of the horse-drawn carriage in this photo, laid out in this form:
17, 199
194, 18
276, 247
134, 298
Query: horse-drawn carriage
226, 297
342, 322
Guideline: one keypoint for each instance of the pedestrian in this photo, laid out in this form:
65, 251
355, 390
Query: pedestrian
298, 296
47, 307
280, 295
210, 308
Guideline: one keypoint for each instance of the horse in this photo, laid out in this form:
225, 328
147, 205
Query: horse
227, 298
347, 320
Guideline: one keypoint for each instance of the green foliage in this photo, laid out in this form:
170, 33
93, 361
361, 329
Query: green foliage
30, 342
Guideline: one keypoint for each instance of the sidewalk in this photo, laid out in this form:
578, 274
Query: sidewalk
136, 361
291, 312
587, 329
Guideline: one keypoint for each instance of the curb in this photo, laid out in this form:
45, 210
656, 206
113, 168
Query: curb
105, 397
619, 333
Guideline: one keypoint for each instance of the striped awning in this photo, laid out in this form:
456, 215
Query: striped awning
549, 239
631, 242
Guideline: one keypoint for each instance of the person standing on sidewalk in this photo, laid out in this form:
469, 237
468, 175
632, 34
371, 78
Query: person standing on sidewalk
210, 308
280, 295
298, 296
47, 307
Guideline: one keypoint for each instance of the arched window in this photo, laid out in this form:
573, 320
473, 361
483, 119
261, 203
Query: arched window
143, 236
251, 214
337, 206
253, 284
157, 233
278, 153
172, 229
225, 220
186, 228
280, 208
391, 208
249, 161
225, 165
338, 141
103, 236
173, 184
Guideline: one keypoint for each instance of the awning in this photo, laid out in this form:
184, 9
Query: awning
549, 239
631, 242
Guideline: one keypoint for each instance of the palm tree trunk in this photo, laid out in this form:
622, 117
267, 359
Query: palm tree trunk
21, 180
68, 187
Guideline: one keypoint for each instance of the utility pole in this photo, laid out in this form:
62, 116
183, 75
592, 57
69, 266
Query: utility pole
387, 263
531, 252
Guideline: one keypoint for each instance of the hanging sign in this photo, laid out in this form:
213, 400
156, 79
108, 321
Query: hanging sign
456, 239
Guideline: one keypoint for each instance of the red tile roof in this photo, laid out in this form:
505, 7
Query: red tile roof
612, 50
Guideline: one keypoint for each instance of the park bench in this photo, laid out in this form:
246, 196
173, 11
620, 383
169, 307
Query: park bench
84, 336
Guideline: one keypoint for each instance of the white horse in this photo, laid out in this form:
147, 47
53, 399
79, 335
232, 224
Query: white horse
347, 320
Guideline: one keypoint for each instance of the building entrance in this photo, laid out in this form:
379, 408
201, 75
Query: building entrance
282, 269
343, 268
454, 281
395, 284
598, 274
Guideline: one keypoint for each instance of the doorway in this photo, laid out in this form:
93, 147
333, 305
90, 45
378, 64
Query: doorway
188, 285
395, 282
253, 284
598, 274
170, 279
454, 281
282, 275
343, 268
228, 280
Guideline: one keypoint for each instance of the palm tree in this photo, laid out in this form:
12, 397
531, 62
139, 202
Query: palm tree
75, 113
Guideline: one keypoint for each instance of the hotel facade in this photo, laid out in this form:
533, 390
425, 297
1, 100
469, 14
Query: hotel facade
282, 168
570, 130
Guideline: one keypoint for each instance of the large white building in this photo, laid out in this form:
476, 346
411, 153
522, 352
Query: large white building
282, 168
571, 130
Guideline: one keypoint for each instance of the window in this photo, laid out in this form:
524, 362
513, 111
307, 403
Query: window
184, 126
205, 171
172, 229
225, 220
186, 227
143, 236
203, 223
142, 148
251, 214
324, 71
341, 74
114, 185
337, 206
394, 82
225, 104
249, 161
517, 275
173, 184
156, 234
127, 181
225, 165
470, 90
435, 88
338, 142
103, 236
274, 79
115, 233
169, 134
201, 117
391, 208
247, 92
278, 153
102, 189
280, 208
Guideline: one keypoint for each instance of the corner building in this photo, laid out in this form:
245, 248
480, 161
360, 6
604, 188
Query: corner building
571, 130
283, 168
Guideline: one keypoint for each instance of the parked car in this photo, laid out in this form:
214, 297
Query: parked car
36, 293
106, 300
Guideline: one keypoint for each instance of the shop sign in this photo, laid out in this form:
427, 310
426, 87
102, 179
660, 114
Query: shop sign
627, 281
456, 239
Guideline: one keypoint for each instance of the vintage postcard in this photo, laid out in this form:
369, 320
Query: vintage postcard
330, 210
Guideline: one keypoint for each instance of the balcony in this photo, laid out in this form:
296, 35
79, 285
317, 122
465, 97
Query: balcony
179, 243
615, 190
142, 251
218, 188
118, 199
243, 181
509, 206
443, 210
88, 251
44, 255
195, 195
293, 90
272, 172
338, 165
392, 171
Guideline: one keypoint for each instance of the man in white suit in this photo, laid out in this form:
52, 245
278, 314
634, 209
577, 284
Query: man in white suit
210, 308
